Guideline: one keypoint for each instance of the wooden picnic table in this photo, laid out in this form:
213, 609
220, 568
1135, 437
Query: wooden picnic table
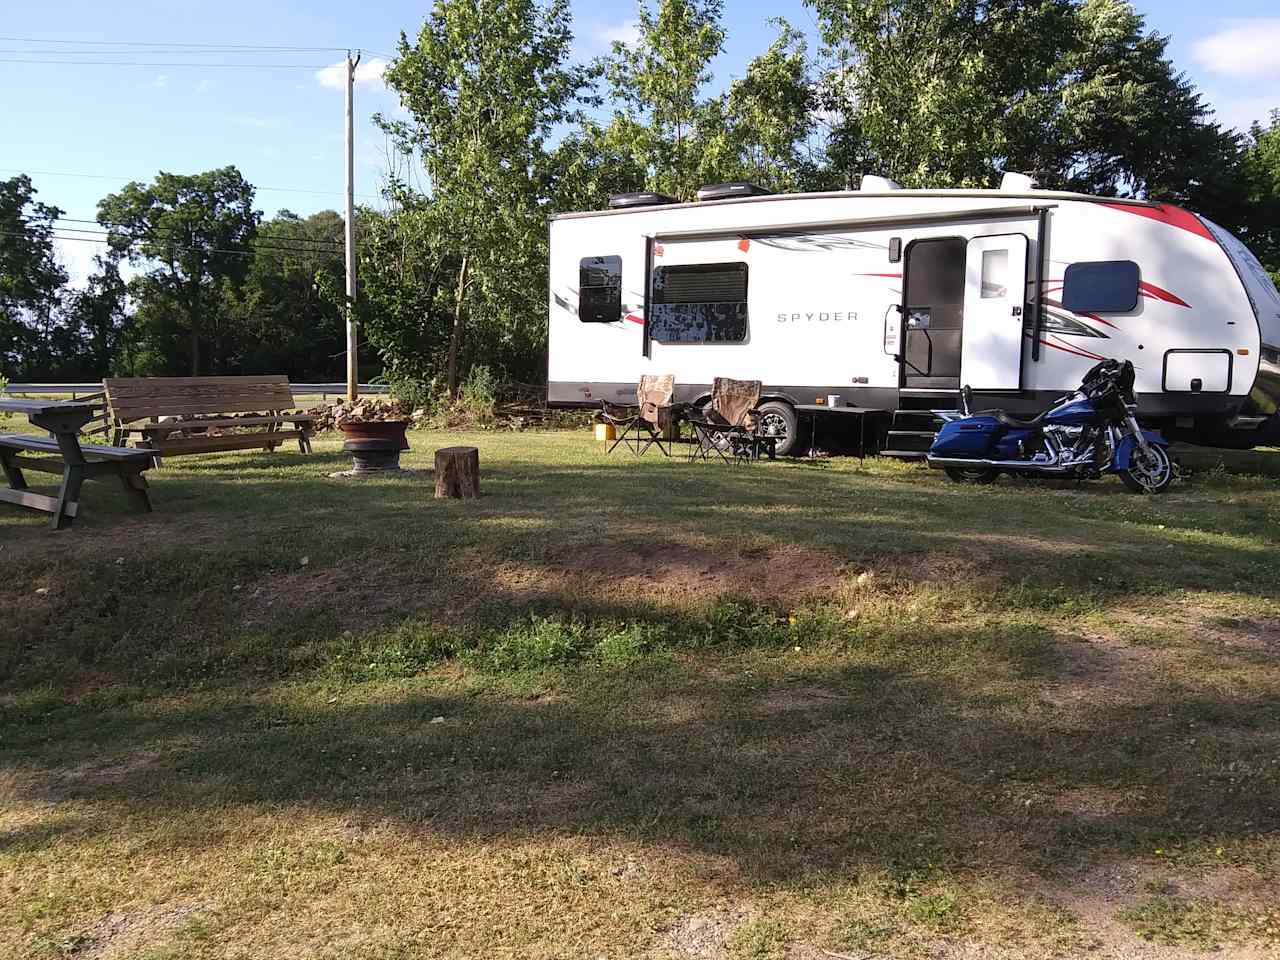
62, 453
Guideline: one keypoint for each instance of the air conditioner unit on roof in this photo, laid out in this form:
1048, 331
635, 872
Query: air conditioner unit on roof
645, 198
874, 184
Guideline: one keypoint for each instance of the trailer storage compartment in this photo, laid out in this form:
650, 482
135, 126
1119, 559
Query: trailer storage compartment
1197, 371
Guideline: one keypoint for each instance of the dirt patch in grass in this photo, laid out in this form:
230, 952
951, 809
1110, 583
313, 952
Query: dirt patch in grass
129, 535
681, 573
129, 933
792, 698
357, 595
1261, 636
89, 778
1100, 669
1099, 897
703, 935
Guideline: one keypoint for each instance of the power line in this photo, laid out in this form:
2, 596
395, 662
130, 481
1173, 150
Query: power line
178, 43
100, 176
147, 52
110, 223
278, 244
139, 63
103, 240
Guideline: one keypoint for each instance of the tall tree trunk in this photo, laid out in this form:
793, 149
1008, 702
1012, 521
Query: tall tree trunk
455, 338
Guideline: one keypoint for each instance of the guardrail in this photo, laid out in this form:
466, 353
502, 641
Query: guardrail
75, 389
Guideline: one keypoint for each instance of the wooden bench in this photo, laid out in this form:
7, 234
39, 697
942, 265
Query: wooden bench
194, 405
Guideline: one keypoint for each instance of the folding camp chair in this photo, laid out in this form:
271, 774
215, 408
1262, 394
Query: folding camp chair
729, 426
642, 426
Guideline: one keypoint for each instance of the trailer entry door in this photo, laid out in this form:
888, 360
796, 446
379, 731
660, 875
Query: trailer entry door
995, 295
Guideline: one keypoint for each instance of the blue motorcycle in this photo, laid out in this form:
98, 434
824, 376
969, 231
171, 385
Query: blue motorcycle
1082, 436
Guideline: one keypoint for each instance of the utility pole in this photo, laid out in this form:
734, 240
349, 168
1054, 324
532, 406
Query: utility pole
353, 373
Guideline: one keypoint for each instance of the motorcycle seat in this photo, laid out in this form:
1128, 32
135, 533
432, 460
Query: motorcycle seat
1014, 422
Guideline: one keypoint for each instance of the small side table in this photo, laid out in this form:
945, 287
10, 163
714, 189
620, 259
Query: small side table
815, 410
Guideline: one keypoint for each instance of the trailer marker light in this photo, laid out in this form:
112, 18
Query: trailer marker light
1243, 351
744, 244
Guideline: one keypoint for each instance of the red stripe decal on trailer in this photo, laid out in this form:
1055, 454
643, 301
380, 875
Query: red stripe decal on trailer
634, 319
1078, 353
1144, 288
1159, 293
897, 276
1094, 316
1167, 213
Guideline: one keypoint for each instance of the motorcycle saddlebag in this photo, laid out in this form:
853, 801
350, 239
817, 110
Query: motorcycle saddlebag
967, 439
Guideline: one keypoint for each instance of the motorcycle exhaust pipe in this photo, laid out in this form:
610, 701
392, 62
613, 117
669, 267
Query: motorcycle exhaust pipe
941, 463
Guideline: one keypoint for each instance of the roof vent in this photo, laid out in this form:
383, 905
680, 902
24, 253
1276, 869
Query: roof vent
873, 184
730, 191
1017, 183
646, 198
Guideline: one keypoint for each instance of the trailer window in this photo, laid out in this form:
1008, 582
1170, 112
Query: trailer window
699, 303
1102, 286
600, 289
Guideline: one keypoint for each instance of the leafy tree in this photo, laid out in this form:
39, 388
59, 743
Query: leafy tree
655, 83
195, 233
760, 130
1260, 223
406, 306
280, 318
485, 84
1079, 94
98, 324
30, 277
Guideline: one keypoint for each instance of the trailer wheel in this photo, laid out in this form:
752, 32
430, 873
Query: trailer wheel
778, 420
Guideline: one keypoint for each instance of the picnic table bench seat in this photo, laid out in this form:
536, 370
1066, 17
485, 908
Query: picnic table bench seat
76, 462
157, 408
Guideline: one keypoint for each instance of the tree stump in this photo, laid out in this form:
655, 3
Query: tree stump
458, 472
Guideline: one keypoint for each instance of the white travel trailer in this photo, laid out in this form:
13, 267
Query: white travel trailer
895, 299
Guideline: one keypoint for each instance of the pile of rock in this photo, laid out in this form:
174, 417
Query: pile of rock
331, 416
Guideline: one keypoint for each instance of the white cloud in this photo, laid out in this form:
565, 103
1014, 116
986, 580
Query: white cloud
160, 82
368, 74
1242, 48
607, 34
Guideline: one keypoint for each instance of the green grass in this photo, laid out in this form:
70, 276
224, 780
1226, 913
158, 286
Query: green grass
624, 708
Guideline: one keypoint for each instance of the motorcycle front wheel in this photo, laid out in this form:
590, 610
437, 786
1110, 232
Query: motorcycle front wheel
972, 474
1148, 473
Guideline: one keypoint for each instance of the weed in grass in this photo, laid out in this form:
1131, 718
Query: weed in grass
933, 910
536, 642
871, 936
1200, 923
764, 939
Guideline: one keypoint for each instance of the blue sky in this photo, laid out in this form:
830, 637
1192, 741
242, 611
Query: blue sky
83, 130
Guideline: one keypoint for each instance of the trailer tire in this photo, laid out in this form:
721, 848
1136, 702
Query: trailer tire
778, 419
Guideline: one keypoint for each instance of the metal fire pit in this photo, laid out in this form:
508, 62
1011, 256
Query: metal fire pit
373, 456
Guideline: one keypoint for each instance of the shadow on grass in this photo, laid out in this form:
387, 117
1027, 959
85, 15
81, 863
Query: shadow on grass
911, 746
826, 771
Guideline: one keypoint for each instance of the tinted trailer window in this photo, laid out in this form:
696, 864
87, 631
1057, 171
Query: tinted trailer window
699, 303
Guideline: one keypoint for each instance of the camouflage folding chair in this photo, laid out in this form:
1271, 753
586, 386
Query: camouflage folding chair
642, 426
729, 424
